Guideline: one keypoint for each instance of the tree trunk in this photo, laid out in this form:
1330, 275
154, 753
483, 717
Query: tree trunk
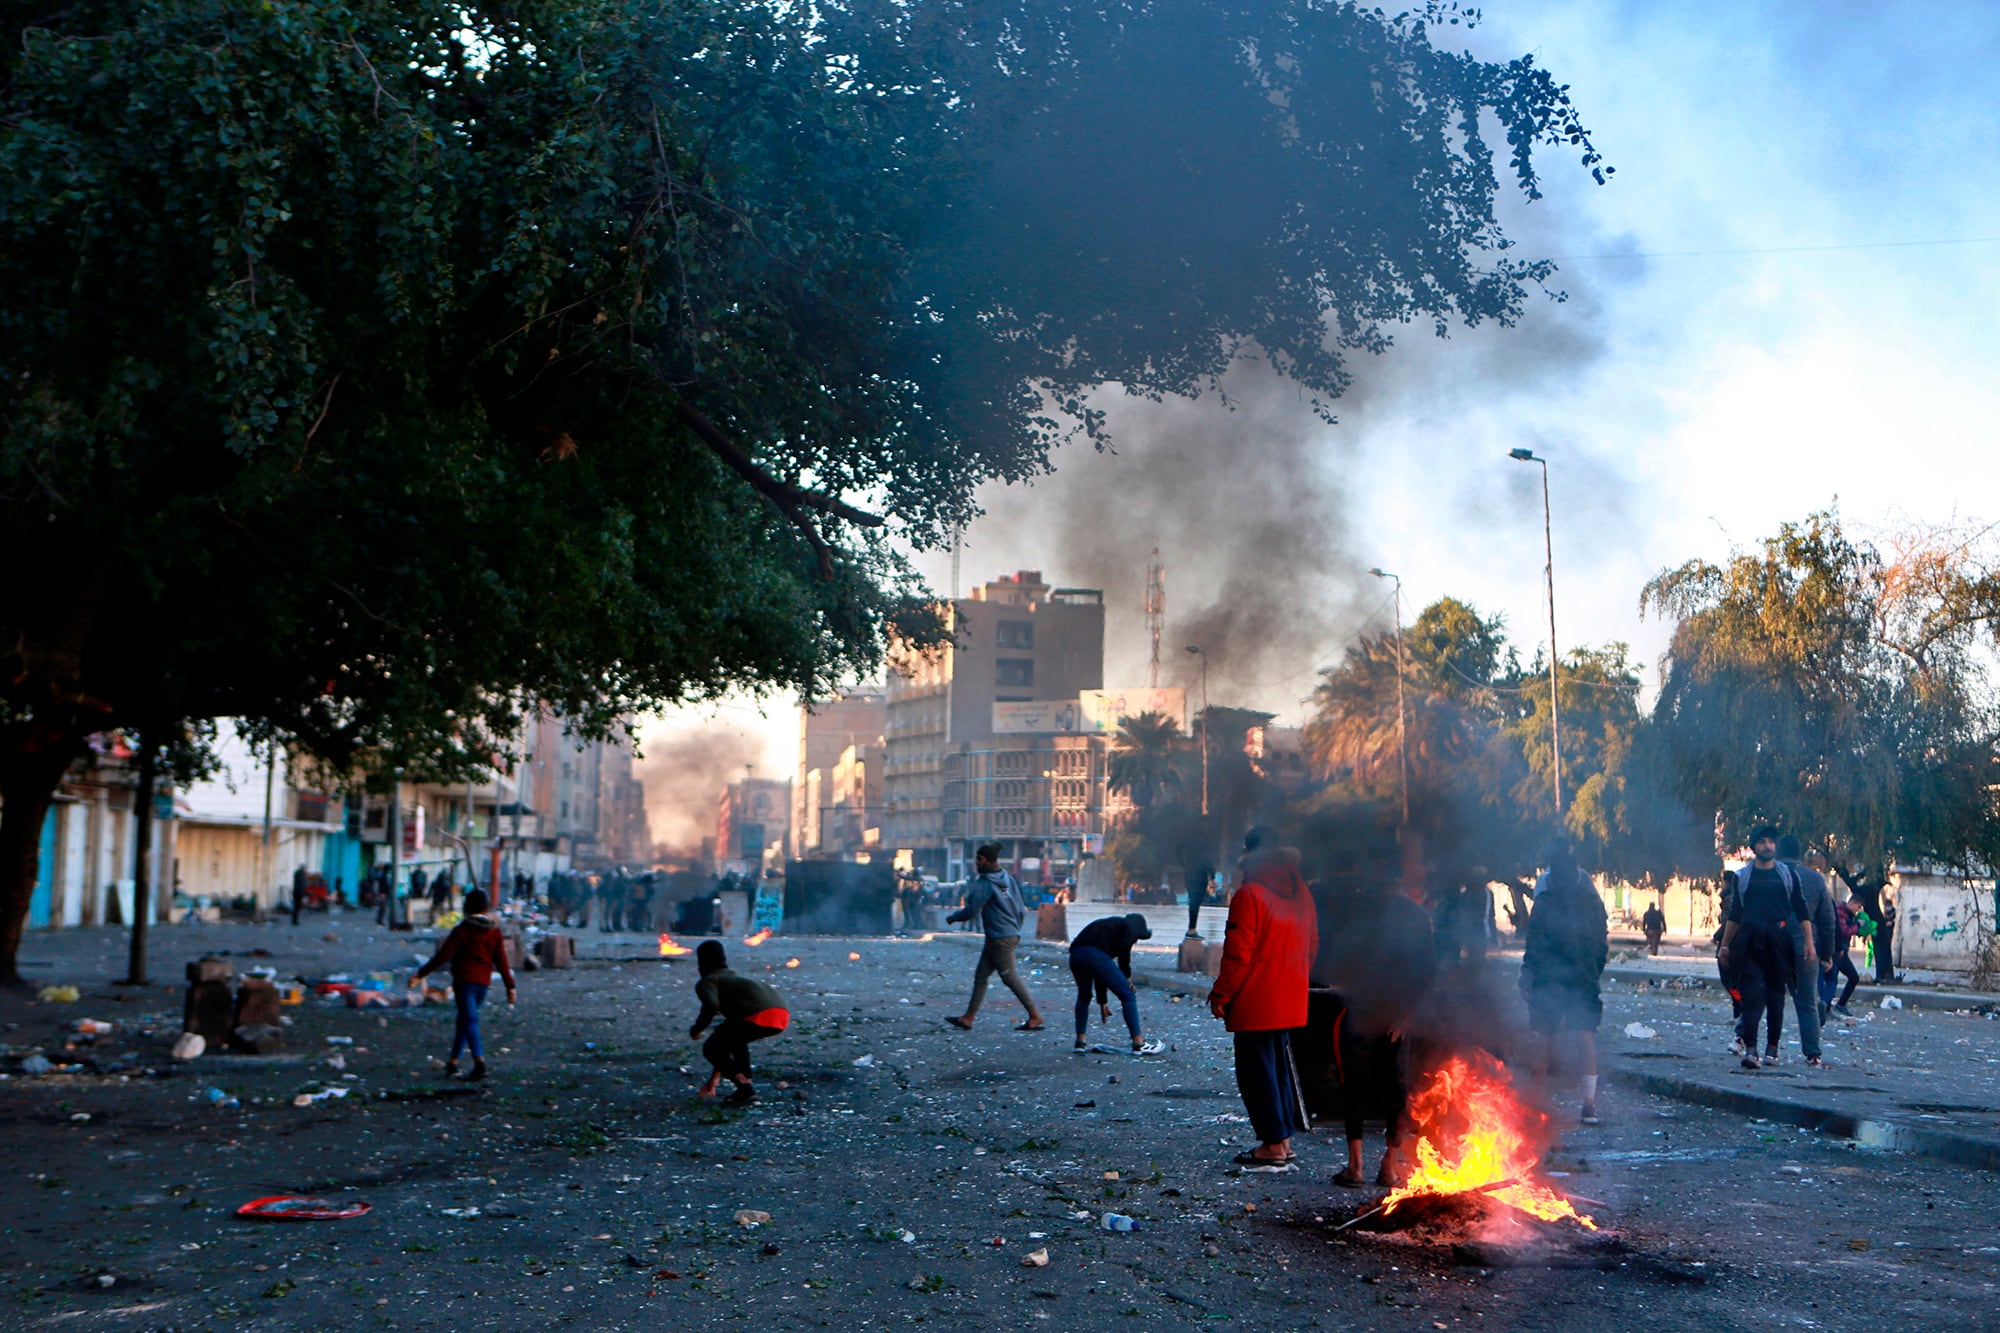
142, 854
28, 781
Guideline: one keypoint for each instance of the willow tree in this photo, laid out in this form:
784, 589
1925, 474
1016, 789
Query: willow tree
1840, 691
377, 371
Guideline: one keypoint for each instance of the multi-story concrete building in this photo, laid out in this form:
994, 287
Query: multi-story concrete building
828, 730
1044, 799
751, 823
851, 816
1015, 640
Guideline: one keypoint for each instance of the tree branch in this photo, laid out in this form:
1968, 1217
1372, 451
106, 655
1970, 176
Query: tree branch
792, 501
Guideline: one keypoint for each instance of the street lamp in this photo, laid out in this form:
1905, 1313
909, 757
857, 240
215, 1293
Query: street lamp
1549, 573
1204, 726
1402, 731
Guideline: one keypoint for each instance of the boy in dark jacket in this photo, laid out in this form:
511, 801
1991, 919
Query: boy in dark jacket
1562, 965
476, 950
1100, 958
751, 1010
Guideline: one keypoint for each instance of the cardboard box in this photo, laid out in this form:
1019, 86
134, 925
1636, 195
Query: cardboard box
555, 951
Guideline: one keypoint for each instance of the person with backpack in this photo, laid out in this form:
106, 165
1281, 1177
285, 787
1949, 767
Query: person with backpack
993, 898
1562, 966
1757, 940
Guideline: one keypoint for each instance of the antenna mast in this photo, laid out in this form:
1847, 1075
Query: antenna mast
1156, 613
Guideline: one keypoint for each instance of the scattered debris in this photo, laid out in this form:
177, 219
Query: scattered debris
1035, 1259
864, 1062
35, 1063
1116, 1222
1640, 1030
308, 1098
298, 1208
1892, 1002
752, 1217
189, 1046
59, 995
463, 1214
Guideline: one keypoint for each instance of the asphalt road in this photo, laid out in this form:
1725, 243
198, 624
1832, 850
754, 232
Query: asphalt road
907, 1170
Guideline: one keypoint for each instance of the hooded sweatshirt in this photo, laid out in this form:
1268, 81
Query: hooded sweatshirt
476, 949
1268, 950
995, 898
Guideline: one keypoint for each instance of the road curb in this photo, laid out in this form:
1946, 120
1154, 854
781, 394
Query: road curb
1942, 1145
1913, 997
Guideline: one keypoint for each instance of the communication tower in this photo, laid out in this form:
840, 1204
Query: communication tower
1156, 613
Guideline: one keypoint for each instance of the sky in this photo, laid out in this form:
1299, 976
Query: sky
1762, 319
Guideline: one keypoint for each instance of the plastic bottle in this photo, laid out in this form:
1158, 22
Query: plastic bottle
1117, 1222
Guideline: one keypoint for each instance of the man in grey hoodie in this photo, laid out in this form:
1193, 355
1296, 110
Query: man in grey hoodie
994, 899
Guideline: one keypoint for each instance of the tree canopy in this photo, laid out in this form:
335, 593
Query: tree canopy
378, 371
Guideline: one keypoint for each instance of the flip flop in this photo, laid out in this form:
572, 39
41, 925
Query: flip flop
1030, 1027
959, 1023
1349, 1180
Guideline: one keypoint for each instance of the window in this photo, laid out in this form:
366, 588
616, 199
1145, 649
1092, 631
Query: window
1014, 634
1010, 793
1010, 761
1018, 672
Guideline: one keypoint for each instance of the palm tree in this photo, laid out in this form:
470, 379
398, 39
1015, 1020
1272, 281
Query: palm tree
1147, 762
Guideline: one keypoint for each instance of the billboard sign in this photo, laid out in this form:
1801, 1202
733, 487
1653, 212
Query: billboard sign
1104, 711
1043, 717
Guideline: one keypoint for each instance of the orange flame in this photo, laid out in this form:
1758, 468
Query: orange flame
791, 962
1473, 1133
668, 949
754, 940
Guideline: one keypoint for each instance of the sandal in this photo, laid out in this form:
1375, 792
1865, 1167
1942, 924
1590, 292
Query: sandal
1028, 1027
1250, 1161
1349, 1179
959, 1023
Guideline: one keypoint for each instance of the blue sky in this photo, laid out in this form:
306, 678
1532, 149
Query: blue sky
1687, 402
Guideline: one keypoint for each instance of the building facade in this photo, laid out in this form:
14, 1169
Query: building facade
751, 823
827, 731
1015, 640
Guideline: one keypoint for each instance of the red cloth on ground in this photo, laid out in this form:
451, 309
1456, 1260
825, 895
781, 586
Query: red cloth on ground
1268, 950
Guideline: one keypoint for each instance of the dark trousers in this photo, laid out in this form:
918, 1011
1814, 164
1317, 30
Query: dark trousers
1843, 966
1264, 1077
1885, 955
1097, 972
1372, 1072
728, 1047
1765, 976
998, 956
468, 996
1196, 901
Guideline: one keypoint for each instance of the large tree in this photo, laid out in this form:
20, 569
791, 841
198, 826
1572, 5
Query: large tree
1840, 690
375, 371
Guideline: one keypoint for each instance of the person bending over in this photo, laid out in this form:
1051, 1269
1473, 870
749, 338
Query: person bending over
1100, 958
750, 1010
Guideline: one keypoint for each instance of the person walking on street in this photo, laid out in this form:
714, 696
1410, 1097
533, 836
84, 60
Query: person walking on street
993, 898
1757, 940
750, 1010
1654, 924
476, 950
1198, 896
1817, 921
1562, 966
298, 892
1260, 994
1100, 958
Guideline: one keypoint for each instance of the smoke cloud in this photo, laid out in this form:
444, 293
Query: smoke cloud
685, 772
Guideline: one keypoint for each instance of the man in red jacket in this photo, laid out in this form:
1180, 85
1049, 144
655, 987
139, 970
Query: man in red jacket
1267, 954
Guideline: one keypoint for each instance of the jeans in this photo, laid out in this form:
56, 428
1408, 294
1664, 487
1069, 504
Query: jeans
998, 956
1097, 971
468, 996
1264, 1077
1805, 1003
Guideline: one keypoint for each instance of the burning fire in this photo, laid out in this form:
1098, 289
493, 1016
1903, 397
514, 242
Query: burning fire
791, 962
1473, 1134
668, 949
754, 940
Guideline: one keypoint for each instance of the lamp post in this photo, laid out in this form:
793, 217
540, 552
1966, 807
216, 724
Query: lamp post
1549, 573
1402, 727
1204, 726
